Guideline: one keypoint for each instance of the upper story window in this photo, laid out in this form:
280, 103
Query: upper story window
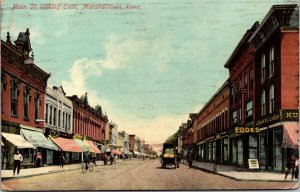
234, 117
26, 102
54, 116
271, 64
263, 103
37, 105
249, 111
59, 118
46, 115
14, 96
50, 116
271, 101
251, 80
263, 68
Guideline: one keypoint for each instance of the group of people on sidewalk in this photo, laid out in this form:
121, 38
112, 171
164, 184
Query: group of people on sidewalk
293, 166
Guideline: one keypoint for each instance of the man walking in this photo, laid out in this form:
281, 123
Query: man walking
18, 158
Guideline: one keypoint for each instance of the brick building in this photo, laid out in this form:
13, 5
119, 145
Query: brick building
276, 48
23, 86
88, 122
211, 127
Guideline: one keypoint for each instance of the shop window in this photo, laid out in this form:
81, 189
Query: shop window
263, 103
271, 99
253, 147
263, 68
278, 149
271, 64
234, 152
240, 152
263, 149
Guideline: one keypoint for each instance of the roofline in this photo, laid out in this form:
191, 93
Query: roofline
225, 84
273, 8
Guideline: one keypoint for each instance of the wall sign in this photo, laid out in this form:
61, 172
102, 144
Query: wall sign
246, 130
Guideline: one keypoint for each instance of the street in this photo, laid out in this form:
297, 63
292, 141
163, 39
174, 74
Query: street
137, 175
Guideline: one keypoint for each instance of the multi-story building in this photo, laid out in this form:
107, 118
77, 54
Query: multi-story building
243, 144
276, 47
89, 122
188, 140
211, 127
58, 120
23, 86
132, 143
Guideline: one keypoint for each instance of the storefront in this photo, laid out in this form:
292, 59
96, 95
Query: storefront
69, 147
11, 143
42, 144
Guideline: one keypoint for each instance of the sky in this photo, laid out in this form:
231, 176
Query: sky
148, 67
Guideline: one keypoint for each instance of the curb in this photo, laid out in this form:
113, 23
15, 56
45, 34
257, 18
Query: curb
37, 174
237, 179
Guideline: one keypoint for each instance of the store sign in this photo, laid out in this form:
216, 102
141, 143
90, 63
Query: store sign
253, 164
283, 115
246, 130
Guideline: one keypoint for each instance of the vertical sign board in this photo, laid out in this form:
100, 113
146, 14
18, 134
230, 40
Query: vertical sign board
253, 164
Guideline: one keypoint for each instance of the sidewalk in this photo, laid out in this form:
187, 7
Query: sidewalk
241, 174
8, 174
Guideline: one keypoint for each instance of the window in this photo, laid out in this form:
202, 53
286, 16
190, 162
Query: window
240, 115
263, 103
263, 68
14, 97
249, 109
46, 116
271, 64
63, 123
246, 82
37, 105
50, 117
271, 96
69, 127
54, 116
251, 80
234, 117
26, 102
58, 118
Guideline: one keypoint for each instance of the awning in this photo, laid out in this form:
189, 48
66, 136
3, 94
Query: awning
116, 152
136, 152
38, 139
93, 146
68, 145
290, 135
17, 140
82, 145
107, 150
127, 152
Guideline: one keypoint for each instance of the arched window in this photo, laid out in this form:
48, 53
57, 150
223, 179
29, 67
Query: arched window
271, 96
263, 68
263, 103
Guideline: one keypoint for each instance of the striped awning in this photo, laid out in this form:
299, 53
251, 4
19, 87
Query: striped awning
92, 146
290, 135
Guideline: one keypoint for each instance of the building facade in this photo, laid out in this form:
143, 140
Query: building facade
23, 86
276, 47
211, 128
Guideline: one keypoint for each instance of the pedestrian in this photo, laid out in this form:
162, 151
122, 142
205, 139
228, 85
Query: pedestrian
290, 166
18, 158
178, 159
112, 158
105, 159
61, 160
190, 160
38, 159
297, 167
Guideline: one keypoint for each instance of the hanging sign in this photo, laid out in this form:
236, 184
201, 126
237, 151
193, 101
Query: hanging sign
253, 164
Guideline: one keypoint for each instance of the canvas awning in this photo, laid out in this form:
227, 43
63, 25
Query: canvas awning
68, 145
116, 152
17, 140
290, 135
136, 152
82, 145
38, 139
93, 146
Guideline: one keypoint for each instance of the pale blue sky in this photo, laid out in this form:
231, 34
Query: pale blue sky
147, 68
